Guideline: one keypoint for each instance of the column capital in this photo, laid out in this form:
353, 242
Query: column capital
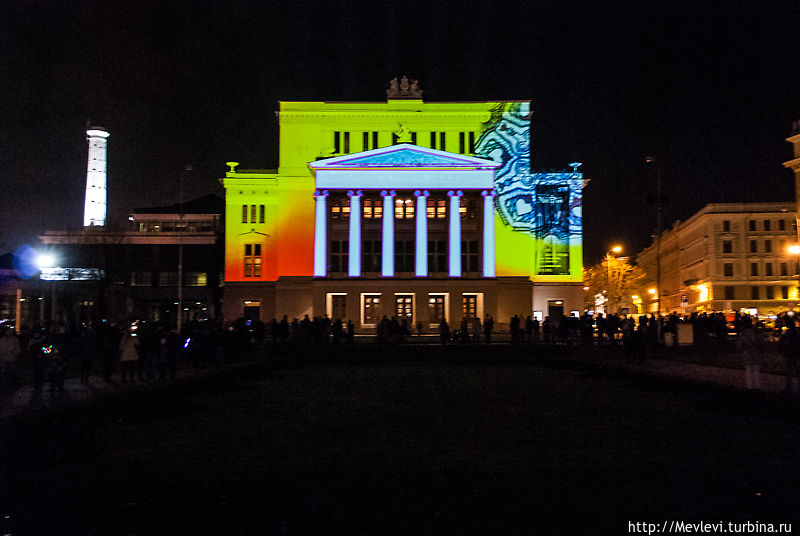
422, 193
455, 193
355, 193
489, 193
320, 193
388, 193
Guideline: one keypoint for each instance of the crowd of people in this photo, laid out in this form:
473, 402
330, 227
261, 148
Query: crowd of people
148, 351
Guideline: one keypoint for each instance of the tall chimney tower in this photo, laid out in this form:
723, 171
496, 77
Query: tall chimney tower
94, 209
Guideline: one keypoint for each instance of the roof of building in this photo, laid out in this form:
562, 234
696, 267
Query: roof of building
208, 204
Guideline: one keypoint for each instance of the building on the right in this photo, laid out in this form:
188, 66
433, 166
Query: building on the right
726, 257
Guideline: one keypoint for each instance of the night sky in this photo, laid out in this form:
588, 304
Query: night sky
711, 94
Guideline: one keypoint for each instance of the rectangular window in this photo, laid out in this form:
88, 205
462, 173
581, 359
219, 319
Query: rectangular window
469, 255
371, 255
437, 256
754, 294
754, 246
244, 213
726, 226
442, 141
436, 305
346, 143
467, 208
371, 308
338, 306
404, 307
437, 209
433, 140
340, 208
753, 268
168, 279
729, 293
770, 293
785, 293
262, 213
374, 139
404, 209
469, 305
252, 260
337, 146
767, 246
404, 256
752, 225
728, 269
784, 268
462, 142
365, 141
781, 225
727, 246
767, 225
252, 213
196, 279
768, 269
141, 279
338, 256
471, 143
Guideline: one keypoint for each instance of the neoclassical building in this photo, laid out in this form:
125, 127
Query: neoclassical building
404, 208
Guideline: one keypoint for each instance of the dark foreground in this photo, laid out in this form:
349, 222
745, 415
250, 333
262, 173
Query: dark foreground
426, 447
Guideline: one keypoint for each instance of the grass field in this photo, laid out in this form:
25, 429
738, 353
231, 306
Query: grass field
478, 446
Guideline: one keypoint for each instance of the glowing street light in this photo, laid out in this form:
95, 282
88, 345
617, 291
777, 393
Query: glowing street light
45, 260
794, 250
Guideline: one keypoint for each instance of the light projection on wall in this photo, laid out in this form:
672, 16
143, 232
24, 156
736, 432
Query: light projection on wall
539, 229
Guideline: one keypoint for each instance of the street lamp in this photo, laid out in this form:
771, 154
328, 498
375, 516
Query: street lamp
615, 250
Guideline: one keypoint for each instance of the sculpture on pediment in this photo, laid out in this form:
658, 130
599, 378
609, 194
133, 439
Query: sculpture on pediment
403, 89
403, 134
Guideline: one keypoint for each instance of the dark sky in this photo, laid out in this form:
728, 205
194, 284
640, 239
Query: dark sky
711, 93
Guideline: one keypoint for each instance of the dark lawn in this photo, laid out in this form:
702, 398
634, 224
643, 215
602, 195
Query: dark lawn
405, 447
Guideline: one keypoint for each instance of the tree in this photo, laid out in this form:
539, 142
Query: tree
615, 279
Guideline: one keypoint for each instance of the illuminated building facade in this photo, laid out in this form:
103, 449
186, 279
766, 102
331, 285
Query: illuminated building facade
727, 257
404, 208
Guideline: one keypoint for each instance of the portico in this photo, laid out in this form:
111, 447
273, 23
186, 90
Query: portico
398, 185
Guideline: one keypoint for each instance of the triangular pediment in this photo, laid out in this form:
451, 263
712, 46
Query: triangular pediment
404, 155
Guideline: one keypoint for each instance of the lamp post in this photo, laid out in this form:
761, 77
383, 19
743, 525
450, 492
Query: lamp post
614, 250
181, 225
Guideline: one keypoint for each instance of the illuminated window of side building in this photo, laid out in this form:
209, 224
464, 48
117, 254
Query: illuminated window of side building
770, 292
785, 293
262, 213
252, 213
784, 268
754, 269
196, 279
767, 246
727, 246
373, 208
768, 269
340, 208
168, 279
754, 294
370, 309
469, 305
466, 209
728, 269
404, 209
404, 307
726, 226
754, 246
437, 209
781, 225
751, 225
244, 213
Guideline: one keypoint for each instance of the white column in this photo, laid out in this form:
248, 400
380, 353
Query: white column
421, 245
354, 248
320, 234
488, 234
387, 236
455, 232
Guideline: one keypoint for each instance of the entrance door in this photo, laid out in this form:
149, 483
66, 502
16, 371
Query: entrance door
252, 310
555, 309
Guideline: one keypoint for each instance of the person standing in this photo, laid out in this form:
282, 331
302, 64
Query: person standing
488, 326
128, 357
751, 354
790, 344
9, 353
